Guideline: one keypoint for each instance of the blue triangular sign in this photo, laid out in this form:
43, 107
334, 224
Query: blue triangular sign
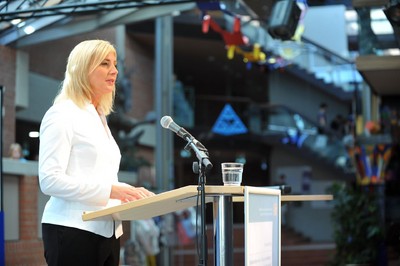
228, 123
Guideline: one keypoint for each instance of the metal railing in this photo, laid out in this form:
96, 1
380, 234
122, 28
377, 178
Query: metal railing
278, 125
311, 57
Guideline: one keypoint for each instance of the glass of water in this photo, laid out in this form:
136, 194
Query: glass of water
232, 174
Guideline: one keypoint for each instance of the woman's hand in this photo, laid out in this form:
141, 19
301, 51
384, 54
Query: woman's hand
126, 193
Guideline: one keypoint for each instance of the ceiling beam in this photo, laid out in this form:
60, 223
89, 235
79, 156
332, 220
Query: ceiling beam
12, 35
16, 9
369, 3
93, 22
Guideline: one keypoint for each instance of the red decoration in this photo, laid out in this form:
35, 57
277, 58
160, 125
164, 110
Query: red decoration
230, 38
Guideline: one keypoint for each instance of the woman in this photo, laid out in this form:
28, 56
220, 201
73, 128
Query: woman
79, 161
16, 153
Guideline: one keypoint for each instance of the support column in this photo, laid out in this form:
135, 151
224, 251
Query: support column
163, 100
163, 85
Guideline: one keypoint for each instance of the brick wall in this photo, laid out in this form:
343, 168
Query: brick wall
7, 79
28, 250
140, 60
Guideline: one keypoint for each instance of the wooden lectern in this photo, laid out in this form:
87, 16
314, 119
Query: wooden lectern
222, 198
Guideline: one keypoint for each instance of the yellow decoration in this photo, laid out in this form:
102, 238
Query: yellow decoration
231, 51
256, 55
299, 32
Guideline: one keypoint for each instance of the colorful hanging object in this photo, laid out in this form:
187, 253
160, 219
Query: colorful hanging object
231, 39
254, 56
370, 162
302, 4
235, 39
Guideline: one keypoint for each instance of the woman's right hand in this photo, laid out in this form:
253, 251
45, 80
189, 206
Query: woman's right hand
127, 193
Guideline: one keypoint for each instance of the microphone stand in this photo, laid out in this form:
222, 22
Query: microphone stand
203, 166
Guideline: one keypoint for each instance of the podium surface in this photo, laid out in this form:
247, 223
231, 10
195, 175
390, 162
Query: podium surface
163, 203
179, 199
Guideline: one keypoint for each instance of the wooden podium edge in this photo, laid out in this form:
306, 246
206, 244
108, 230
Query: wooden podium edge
182, 194
306, 197
176, 195
90, 215
287, 198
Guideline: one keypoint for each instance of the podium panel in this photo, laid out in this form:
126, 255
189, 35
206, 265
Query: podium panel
262, 226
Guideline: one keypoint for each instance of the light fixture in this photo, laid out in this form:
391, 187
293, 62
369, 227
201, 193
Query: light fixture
16, 21
29, 29
33, 134
176, 13
21, 24
255, 23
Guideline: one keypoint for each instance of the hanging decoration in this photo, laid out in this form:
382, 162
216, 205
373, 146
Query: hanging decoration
256, 55
302, 4
231, 39
236, 42
371, 161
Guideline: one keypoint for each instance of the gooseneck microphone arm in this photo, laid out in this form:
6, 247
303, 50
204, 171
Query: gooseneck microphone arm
200, 168
200, 154
197, 147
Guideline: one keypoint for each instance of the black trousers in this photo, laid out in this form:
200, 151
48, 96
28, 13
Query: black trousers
71, 246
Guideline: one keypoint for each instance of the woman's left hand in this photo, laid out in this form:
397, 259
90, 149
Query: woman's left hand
126, 193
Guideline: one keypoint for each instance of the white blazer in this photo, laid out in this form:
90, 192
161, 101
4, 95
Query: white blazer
78, 163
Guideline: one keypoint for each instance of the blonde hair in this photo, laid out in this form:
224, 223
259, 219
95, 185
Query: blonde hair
15, 147
82, 61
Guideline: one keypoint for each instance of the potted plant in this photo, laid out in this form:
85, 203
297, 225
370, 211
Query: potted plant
357, 222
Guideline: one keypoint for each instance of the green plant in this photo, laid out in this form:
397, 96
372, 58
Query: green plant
357, 225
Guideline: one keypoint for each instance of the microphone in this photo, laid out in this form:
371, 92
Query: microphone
168, 123
201, 151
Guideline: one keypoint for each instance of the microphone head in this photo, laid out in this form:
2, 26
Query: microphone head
166, 121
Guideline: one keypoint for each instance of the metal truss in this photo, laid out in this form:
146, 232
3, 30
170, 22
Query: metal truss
26, 9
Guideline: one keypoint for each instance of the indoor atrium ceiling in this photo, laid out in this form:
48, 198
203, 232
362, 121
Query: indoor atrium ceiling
382, 73
55, 19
